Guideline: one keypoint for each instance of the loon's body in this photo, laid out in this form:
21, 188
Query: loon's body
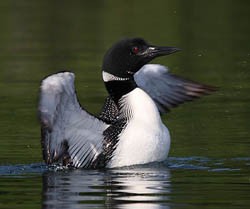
144, 138
129, 129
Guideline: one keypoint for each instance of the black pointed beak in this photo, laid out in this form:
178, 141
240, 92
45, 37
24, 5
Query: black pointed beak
156, 51
165, 50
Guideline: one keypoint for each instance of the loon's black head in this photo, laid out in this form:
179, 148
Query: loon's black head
127, 56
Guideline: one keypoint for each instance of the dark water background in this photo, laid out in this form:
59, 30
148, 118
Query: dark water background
209, 164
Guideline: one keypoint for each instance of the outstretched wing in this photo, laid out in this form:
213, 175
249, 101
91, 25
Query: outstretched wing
70, 135
168, 90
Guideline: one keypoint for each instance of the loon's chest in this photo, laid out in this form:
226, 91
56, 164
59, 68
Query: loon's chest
144, 138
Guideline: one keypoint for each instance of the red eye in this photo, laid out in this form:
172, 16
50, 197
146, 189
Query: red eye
135, 49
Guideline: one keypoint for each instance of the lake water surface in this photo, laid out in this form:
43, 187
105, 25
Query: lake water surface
209, 163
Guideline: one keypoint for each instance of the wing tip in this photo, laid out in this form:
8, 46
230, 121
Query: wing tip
56, 80
197, 90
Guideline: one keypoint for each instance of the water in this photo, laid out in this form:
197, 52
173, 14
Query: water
209, 164
177, 183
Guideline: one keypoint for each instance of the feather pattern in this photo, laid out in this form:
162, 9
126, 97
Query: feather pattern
70, 135
168, 90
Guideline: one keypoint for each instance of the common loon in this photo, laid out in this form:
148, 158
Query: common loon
129, 129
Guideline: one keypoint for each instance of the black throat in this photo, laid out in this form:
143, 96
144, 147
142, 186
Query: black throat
117, 89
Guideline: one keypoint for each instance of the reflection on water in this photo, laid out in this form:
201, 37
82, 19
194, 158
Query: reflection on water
171, 184
124, 188
192, 182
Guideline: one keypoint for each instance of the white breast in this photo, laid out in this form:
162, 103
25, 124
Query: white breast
145, 139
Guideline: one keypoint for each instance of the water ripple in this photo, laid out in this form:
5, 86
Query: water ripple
15, 170
209, 164
172, 163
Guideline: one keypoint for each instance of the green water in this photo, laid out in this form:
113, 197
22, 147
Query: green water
210, 150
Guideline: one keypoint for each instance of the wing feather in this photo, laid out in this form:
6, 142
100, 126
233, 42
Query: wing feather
68, 131
168, 90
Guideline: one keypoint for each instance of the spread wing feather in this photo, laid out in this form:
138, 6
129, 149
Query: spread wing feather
70, 135
168, 90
